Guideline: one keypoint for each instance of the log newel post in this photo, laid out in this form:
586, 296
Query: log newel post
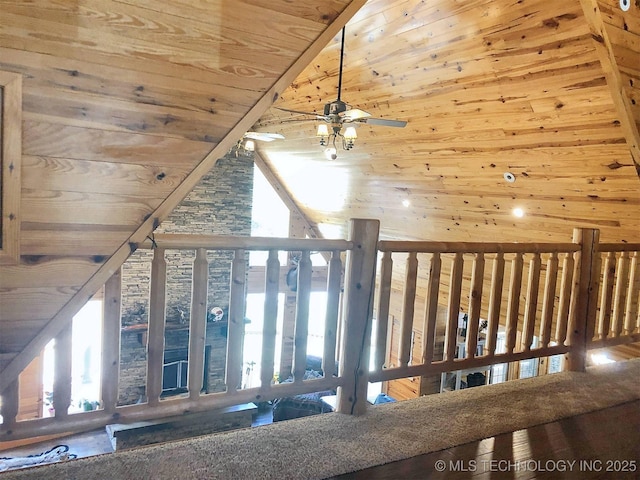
358, 314
582, 322
111, 325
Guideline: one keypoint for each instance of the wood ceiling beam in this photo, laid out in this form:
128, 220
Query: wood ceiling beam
64, 316
605, 51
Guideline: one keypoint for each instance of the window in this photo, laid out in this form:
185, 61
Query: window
10, 156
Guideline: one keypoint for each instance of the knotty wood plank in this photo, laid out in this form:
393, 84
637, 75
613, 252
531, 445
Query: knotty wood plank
58, 174
10, 166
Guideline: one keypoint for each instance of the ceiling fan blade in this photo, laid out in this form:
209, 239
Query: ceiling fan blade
264, 136
299, 112
355, 114
384, 122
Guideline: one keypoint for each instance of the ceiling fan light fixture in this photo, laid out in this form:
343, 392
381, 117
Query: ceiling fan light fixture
323, 133
350, 136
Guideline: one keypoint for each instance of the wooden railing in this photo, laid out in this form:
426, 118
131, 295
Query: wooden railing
195, 400
568, 297
544, 291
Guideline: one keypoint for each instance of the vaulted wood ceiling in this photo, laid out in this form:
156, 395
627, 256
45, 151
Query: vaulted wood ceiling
535, 88
126, 104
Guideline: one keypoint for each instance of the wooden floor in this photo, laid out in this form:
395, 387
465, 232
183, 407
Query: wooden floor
600, 445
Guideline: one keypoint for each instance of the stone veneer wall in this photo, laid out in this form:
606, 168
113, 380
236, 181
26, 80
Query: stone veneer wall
220, 204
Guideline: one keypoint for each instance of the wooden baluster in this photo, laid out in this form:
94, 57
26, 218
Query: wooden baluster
495, 302
10, 404
301, 332
111, 325
360, 280
453, 307
531, 305
548, 300
606, 298
155, 338
566, 289
515, 285
431, 309
62, 373
475, 303
198, 322
406, 324
235, 332
271, 290
334, 277
383, 333
631, 309
620, 294
584, 301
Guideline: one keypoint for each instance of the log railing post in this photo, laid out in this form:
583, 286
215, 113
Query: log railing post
62, 372
358, 314
383, 331
269, 329
631, 308
111, 325
235, 333
198, 322
431, 309
301, 331
10, 404
408, 305
334, 280
155, 338
583, 321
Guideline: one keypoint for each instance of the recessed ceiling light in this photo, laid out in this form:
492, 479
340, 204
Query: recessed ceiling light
406, 203
518, 212
625, 4
509, 177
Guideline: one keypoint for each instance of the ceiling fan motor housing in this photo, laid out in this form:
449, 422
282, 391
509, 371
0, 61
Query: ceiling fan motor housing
335, 108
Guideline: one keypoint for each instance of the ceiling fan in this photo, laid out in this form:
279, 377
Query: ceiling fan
337, 114
246, 145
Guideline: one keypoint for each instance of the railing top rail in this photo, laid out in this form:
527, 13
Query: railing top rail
619, 247
475, 247
232, 242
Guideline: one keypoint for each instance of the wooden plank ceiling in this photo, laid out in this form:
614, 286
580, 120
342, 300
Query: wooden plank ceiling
533, 88
128, 103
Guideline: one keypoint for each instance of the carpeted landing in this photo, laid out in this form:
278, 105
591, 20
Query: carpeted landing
332, 444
